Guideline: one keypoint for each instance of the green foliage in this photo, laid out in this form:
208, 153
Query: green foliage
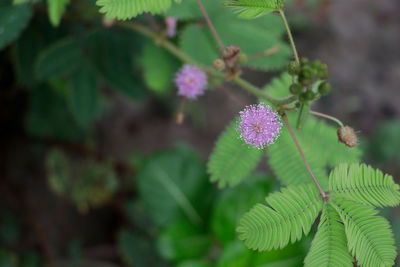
49, 115
289, 213
56, 9
111, 54
158, 68
13, 20
251, 9
318, 141
126, 9
182, 240
232, 160
10, 229
232, 204
253, 37
329, 247
363, 184
348, 222
369, 236
171, 184
59, 59
137, 251
84, 96
87, 183
384, 146
8, 259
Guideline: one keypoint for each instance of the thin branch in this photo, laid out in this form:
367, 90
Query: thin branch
322, 192
230, 95
210, 24
289, 33
267, 53
327, 117
173, 49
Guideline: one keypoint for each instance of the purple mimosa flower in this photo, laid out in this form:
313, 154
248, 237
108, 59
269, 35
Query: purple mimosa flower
259, 125
191, 82
171, 26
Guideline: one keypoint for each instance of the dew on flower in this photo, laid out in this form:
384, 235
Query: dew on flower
259, 125
191, 81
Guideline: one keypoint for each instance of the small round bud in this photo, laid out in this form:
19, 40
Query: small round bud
306, 81
303, 97
347, 136
324, 88
296, 88
219, 64
310, 95
294, 68
242, 59
307, 71
304, 61
316, 64
323, 72
297, 104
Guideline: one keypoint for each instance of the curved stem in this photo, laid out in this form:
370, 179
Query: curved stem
322, 192
289, 32
327, 117
261, 94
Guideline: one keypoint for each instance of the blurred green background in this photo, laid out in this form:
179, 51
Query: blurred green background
95, 172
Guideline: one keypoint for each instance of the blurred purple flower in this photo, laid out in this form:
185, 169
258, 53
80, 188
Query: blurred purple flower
171, 26
191, 81
259, 125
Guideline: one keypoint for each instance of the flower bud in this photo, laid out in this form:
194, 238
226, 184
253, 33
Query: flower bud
347, 136
219, 64
242, 59
324, 88
296, 88
294, 68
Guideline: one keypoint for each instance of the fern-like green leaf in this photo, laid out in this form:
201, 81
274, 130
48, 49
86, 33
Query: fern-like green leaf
369, 236
289, 213
318, 141
364, 184
232, 160
329, 247
56, 10
251, 9
126, 9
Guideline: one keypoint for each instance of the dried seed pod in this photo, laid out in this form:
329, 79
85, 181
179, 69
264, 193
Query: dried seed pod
348, 136
231, 54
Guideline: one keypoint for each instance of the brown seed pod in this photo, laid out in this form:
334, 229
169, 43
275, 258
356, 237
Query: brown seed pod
348, 136
231, 54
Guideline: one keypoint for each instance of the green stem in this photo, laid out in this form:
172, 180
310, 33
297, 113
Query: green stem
261, 94
173, 49
327, 117
289, 32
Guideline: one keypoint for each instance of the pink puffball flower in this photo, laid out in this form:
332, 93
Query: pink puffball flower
191, 81
171, 26
259, 125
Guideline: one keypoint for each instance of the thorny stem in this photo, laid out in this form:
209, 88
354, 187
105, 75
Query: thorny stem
210, 24
289, 32
327, 117
322, 192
